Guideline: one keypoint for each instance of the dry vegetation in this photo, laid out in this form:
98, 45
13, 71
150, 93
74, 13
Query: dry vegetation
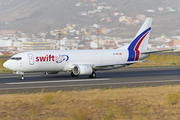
160, 60
160, 103
2, 69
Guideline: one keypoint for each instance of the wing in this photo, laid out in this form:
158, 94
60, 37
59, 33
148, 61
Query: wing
103, 66
115, 64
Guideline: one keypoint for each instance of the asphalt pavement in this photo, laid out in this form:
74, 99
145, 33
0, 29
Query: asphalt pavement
124, 77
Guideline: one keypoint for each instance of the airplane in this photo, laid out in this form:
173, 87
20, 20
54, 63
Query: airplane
83, 62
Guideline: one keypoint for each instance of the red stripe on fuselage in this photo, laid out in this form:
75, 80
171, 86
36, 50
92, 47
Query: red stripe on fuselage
137, 47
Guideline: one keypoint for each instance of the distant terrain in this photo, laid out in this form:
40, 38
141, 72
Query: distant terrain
35, 16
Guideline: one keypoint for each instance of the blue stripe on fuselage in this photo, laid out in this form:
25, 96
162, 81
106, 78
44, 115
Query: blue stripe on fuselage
132, 55
131, 47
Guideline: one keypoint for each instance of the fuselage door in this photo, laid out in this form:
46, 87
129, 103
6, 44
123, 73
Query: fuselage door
31, 59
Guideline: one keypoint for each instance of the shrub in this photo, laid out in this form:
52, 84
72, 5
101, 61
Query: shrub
82, 114
173, 98
48, 98
1, 62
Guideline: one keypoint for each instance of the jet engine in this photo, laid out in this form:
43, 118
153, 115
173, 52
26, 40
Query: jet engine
82, 70
143, 56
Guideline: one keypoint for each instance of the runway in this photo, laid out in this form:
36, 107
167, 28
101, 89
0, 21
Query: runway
4, 57
124, 77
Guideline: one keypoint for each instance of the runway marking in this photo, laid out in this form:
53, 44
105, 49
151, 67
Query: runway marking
87, 85
169, 73
18, 76
57, 81
9, 77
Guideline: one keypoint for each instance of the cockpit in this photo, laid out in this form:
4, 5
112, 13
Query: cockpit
15, 58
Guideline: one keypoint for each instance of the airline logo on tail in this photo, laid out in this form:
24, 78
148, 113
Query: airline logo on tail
134, 46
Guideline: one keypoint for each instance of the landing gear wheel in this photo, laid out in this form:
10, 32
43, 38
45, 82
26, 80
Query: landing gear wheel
93, 75
21, 77
73, 75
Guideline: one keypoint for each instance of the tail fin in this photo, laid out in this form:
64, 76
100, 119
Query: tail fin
140, 41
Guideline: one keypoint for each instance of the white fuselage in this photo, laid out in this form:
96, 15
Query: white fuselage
63, 60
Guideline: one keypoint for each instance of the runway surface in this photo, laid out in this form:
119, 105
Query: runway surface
124, 77
5, 57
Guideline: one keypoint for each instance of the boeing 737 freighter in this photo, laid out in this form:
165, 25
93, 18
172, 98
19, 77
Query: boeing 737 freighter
82, 62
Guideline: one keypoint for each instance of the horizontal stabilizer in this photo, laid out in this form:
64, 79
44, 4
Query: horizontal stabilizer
148, 52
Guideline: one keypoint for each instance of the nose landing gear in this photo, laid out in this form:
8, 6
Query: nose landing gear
21, 77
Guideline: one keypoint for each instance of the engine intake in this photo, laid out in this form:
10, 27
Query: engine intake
82, 70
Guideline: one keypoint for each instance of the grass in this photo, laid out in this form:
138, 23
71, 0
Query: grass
106, 88
2, 69
96, 104
160, 60
173, 98
48, 98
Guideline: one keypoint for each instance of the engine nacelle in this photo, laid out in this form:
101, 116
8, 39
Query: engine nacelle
82, 70
143, 56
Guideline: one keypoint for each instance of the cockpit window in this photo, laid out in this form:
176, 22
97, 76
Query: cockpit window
16, 58
13, 58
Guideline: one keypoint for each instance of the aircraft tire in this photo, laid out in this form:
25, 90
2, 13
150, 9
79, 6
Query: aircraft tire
21, 77
73, 75
93, 75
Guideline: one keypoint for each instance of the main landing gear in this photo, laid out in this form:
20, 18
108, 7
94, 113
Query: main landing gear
73, 75
93, 75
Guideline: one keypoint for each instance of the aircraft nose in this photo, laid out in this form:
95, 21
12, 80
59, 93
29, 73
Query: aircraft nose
6, 64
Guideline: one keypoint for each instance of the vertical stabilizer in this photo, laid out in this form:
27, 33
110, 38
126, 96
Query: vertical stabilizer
140, 41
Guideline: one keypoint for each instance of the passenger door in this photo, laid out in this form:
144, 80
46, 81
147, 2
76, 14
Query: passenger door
31, 59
